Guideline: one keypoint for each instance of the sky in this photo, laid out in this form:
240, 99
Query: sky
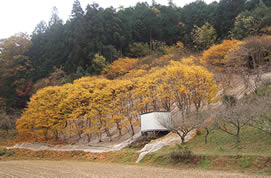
23, 15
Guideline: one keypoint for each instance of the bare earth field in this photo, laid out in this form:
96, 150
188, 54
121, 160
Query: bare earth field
31, 169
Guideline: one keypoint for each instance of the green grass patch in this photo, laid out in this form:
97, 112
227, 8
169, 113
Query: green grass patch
264, 91
205, 164
157, 158
246, 162
253, 142
127, 155
222, 152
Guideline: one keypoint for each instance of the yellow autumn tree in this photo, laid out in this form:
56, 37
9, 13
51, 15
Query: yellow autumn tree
43, 117
190, 84
154, 90
146, 92
124, 102
96, 106
163, 90
76, 106
217, 54
94, 113
217, 59
120, 67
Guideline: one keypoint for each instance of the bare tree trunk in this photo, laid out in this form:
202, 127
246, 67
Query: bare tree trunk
100, 137
180, 135
79, 134
119, 128
254, 62
56, 135
238, 135
108, 134
206, 135
46, 134
150, 41
132, 128
89, 137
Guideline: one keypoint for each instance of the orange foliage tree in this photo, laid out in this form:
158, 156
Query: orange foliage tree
217, 55
217, 59
94, 106
43, 117
120, 67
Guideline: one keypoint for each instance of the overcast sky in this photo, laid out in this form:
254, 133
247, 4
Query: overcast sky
23, 15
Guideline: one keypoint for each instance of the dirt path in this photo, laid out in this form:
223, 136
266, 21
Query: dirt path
91, 148
65, 169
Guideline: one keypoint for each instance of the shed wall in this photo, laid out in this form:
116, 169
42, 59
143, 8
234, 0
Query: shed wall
150, 121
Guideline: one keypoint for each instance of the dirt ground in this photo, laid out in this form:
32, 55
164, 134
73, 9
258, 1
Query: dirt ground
101, 170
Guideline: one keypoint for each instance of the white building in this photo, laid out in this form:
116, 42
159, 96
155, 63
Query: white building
152, 121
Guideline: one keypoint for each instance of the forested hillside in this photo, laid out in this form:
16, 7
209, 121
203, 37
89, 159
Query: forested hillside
125, 44
111, 103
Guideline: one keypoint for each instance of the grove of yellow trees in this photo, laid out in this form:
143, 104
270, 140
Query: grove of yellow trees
250, 56
217, 55
96, 106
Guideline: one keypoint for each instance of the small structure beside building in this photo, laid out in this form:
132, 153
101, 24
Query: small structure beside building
151, 122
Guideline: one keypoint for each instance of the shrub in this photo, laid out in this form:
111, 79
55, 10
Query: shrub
140, 142
245, 162
9, 153
2, 152
229, 100
183, 154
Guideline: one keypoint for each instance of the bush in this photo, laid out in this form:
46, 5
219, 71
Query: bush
183, 154
140, 142
6, 153
2, 152
245, 162
229, 100
265, 89
9, 153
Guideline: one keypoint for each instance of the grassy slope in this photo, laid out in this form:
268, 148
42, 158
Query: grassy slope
253, 143
253, 154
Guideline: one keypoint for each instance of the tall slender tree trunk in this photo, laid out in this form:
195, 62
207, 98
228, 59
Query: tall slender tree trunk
89, 137
108, 134
150, 41
206, 135
254, 62
56, 135
119, 128
100, 137
132, 127
238, 135
46, 134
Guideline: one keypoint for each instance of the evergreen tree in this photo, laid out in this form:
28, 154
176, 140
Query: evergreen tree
226, 12
77, 10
